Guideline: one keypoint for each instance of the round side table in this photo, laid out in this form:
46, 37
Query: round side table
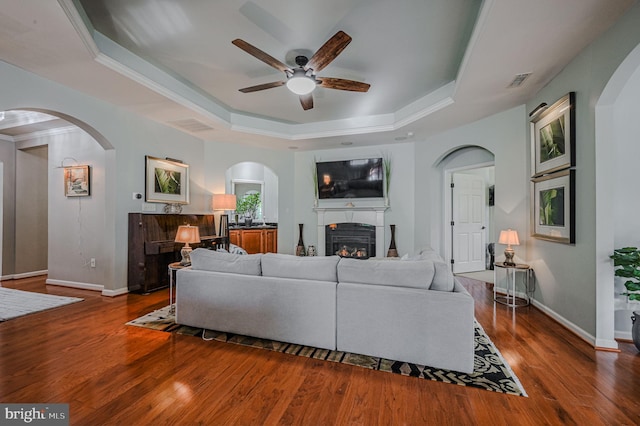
510, 299
173, 267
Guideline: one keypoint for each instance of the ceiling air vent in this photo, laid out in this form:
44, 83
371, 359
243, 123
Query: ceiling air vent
518, 80
191, 125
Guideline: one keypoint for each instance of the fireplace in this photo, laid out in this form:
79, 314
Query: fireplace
350, 240
350, 215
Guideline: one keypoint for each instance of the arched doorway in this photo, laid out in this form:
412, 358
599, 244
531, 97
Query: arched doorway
77, 228
616, 153
468, 225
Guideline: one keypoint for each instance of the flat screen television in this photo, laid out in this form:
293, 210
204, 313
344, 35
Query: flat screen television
350, 178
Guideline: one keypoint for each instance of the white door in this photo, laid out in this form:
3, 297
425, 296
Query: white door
469, 200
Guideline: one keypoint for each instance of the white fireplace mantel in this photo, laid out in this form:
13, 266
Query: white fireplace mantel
371, 215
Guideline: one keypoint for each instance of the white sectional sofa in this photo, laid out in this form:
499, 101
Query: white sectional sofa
405, 310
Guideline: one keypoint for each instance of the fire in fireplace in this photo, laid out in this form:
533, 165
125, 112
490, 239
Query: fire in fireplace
350, 240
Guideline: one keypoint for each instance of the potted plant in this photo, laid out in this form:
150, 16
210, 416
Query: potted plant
247, 206
627, 263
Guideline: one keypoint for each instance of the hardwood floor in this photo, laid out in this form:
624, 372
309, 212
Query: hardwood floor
112, 374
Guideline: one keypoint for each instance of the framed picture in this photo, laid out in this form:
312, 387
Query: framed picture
166, 181
554, 136
553, 204
77, 181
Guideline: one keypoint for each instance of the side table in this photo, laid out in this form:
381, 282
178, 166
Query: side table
173, 267
510, 299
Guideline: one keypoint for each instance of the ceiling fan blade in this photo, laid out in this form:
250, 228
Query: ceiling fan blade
306, 101
329, 51
259, 54
342, 84
262, 86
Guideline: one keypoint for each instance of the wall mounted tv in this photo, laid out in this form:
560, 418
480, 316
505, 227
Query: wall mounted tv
350, 178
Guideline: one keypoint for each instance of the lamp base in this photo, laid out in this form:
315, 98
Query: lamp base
508, 254
186, 255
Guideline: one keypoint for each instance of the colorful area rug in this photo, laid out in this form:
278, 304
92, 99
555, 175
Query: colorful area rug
490, 371
16, 303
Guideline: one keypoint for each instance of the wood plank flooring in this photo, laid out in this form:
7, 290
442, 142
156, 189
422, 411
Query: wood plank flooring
112, 374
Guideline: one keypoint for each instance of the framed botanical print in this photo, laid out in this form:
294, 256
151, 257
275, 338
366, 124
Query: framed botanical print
553, 204
166, 181
553, 135
77, 181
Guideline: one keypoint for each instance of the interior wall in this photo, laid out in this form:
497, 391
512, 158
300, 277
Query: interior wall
32, 198
220, 156
503, 135
566, 274
7, 157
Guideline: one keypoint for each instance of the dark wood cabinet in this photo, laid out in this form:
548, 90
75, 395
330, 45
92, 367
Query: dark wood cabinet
152, 247
255, 240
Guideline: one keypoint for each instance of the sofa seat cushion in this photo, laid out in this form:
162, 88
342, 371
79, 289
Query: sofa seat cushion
408, 273
317, 268
211, 260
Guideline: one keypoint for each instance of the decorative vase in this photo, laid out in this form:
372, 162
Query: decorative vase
635, 330
300, 247
311, 251
392, 252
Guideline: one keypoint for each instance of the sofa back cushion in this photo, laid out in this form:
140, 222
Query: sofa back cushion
407, 273
215, 261
443, 277
317, 268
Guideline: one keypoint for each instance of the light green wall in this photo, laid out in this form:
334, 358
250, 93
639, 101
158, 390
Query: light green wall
567, 274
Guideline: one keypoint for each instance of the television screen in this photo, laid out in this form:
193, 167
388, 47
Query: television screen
350, 178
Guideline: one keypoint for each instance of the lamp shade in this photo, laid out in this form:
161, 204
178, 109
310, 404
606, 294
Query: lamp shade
224, 201
188, 234
509, 237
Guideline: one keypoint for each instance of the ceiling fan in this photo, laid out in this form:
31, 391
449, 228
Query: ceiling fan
302, 80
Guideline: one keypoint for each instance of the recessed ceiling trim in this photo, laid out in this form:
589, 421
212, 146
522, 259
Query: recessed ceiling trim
135, 68
126, 63
44, 133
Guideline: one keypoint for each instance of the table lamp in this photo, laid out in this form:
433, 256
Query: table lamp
187, 234
224, 202
509, 237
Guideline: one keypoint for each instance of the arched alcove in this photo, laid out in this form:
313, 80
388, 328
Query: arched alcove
249, 176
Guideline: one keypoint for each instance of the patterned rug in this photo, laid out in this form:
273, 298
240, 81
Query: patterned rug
490, 371
16, 303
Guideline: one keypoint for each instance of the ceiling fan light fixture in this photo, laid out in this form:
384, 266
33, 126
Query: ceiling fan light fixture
300, 83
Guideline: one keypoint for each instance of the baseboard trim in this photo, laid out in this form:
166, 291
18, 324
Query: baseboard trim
74, 284
574, 328
114, 293
624, 335
24, 275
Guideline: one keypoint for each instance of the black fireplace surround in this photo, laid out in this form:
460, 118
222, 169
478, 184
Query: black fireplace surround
350, 240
